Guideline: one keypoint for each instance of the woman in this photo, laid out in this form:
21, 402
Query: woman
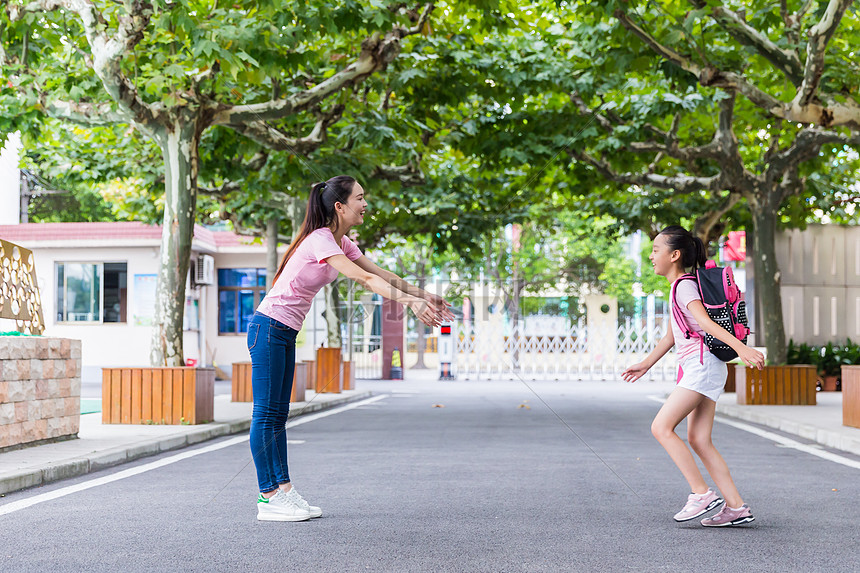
319, 252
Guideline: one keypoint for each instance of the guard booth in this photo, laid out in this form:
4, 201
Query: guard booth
447, 347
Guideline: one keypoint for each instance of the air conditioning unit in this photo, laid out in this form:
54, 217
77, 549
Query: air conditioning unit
204, 270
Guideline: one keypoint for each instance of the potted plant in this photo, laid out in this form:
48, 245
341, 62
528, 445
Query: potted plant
829, 367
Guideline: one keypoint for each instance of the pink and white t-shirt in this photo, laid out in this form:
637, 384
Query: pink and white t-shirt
685, 292
305, 274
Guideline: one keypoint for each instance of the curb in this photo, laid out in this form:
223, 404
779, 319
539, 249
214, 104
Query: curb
100, 460
826, 438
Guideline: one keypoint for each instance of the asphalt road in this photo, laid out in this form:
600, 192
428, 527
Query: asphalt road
565, 478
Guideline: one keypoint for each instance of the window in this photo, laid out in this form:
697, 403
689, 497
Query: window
92, 292
239, 293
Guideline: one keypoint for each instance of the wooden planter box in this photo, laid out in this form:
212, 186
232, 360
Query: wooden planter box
776, 385
243, 392
158, 395
348, 376
300, 383
851, 396
242, 382
312, 374
730, 379
329, 377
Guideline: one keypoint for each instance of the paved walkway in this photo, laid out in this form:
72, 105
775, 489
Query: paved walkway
821, 423
104, 445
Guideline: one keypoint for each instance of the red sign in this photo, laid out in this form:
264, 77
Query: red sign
446, 329
735, 247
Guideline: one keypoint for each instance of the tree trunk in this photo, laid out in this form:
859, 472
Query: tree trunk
419, 326
332, 317
271, 250
768, 297
178, 144
515, 317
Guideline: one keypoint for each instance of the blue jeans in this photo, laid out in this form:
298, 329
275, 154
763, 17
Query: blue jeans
273, 361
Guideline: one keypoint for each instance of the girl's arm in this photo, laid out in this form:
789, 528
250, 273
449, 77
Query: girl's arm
399, 283
426, 311
749, 355
636, 371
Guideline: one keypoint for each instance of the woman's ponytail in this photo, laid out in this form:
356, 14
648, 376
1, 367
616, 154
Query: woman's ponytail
320, 212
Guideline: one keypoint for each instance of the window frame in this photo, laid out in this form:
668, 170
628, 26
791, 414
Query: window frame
259, 292
101, 297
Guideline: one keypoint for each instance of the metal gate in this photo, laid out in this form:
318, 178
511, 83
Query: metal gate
361, 335
486, 352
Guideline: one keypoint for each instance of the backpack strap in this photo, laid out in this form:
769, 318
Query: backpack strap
679, 316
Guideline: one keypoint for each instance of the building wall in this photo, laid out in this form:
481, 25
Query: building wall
127, 344
820, 277
233, 347
10, 190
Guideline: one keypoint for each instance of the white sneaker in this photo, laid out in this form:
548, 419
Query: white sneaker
294, 497
280, 507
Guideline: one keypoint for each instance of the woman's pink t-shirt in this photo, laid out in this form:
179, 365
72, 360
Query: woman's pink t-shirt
305, 274
685, 292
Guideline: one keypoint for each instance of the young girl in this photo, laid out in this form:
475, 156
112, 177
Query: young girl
320, 250
702, 377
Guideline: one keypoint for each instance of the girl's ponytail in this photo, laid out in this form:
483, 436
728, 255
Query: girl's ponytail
701, 253
320, 212
693, 252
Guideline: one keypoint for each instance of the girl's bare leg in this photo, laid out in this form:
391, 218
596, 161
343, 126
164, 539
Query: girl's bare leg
700, 424
678, 405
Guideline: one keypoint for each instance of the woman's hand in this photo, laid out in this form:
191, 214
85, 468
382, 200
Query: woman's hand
751, 357
635, 372
427, 312
441, 303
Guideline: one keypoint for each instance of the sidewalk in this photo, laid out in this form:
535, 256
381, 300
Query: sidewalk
821, 423
103, 445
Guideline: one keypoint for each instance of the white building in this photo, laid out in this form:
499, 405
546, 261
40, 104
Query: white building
97, 282
10, 181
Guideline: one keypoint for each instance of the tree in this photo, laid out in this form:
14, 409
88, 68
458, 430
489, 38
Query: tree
795, 108
173, 70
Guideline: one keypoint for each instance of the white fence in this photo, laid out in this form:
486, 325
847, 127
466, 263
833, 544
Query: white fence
484, 352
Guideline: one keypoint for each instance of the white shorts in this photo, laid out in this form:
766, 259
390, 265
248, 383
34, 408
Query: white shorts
707, 378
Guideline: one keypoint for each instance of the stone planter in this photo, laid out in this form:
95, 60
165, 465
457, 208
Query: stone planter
158, 395
851, 396
776, 385
40, 390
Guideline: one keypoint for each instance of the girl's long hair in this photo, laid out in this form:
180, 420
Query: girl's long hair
693, 253
320, 212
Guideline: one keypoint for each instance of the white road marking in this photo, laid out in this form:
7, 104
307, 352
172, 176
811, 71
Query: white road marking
62, 492
812, 449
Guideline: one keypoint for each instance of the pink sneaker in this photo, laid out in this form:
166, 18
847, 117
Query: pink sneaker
698, 504
728, 517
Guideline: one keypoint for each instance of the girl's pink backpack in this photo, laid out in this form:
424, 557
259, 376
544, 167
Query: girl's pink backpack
723, 301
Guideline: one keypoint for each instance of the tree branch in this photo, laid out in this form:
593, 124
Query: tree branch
83, 113
819, 36
107, 52
376, 53
682, 184
785, 60
276, 140
409, 175
831, 114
